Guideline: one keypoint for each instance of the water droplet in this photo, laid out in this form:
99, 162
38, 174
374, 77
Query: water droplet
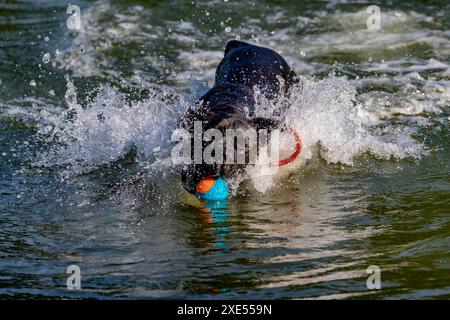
33, 83
228, 29
46, 39
46, 58
51, 92
302, 53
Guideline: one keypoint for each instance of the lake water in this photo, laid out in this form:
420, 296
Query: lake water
85, 178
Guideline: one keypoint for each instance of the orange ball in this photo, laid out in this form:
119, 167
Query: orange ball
204, 185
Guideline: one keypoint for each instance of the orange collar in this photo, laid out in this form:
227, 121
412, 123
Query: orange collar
295, 154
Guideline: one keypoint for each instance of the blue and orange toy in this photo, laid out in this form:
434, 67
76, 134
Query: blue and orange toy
210, 188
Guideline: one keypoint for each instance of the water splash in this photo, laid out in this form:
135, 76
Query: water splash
85, 137
324, 112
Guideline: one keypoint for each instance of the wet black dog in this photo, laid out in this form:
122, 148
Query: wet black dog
230, 104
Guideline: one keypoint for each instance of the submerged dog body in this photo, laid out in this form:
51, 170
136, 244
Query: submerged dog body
230, 104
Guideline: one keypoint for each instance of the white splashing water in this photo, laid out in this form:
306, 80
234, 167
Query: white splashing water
85, 137
327, 112
324, 112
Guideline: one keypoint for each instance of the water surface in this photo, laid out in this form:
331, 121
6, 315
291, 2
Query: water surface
85, 119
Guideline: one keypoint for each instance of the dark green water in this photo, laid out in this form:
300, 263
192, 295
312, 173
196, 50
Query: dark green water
85, 117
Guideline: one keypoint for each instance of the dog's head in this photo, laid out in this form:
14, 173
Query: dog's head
228, 109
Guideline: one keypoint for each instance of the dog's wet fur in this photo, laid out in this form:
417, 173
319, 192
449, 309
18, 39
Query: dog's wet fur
230, 104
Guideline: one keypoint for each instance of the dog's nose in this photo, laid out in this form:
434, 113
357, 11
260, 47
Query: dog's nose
212, 189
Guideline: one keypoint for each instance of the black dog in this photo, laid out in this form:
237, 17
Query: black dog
243, 68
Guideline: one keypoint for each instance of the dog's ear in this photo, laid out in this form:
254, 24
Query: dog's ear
264, 123
234, 44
